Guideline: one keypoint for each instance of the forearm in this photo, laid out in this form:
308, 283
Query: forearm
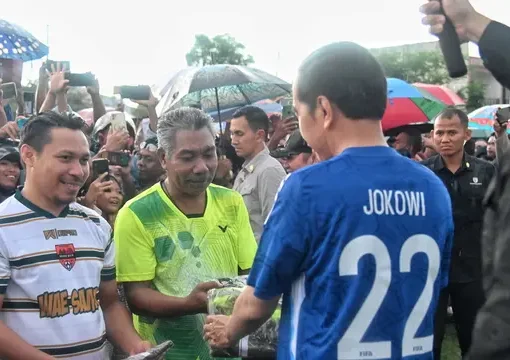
119, 327
273, 143
502, 145
246, 317
62, 102
475, 26
49, 102
152, 303
40, 94
153, 118
13, 347
97, 106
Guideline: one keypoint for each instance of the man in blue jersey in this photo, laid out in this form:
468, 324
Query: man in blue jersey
358, 244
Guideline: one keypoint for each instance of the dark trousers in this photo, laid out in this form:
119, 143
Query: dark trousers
466, 300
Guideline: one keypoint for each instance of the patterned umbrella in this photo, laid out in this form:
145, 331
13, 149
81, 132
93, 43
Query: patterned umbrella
18, 44
219, 87
446, 95
481, 120
408, 105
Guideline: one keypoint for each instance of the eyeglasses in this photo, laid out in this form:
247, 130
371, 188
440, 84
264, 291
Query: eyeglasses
148, 146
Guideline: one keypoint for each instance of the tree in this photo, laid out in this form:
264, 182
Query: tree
221, 49
475, 95
425, 67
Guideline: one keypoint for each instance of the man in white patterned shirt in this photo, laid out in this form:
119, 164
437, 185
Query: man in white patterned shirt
58, 294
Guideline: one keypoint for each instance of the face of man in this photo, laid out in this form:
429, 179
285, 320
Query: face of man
193, 162
294, 162
450, 136
401, 141
480, 144
244, 140
149, 166
61, 168
491, 148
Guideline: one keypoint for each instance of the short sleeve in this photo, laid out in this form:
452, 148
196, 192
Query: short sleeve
5, 271
135, 259
108, 271
246, 243
284, 243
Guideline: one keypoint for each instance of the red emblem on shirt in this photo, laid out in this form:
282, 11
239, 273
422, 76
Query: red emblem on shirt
66, 255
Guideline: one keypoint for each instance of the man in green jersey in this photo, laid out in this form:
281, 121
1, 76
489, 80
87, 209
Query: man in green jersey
177, 237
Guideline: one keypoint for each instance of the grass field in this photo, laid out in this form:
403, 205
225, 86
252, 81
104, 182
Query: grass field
450, 349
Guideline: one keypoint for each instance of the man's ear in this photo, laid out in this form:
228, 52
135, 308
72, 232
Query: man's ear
261, 135
324, 112
162, 158
28, 155
469, 133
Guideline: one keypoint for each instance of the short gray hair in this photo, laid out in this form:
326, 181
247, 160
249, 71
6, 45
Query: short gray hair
185, 118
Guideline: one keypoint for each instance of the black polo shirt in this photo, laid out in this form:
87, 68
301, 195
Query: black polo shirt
466, 188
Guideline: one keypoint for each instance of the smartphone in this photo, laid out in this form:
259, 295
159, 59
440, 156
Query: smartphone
86, 79
288, 112
21, 122
140, 92
99, 167
51, 65
503, 115
9, 91
118, 159
118, 122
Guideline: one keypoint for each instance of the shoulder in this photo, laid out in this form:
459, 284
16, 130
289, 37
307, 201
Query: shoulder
270, 166
223, 196
81, 211
430, 161
12, 207
480, 163
147, 201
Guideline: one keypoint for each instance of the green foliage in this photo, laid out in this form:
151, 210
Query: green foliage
221, 49
425, 67
475, 95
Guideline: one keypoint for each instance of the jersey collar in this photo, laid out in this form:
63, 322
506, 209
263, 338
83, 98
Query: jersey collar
36, 209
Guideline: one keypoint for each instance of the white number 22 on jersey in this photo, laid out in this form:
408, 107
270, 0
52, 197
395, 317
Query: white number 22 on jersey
350, 346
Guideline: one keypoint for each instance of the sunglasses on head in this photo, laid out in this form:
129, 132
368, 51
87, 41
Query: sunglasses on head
149, 146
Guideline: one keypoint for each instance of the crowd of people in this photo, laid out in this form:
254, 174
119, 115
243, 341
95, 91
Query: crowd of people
368, 239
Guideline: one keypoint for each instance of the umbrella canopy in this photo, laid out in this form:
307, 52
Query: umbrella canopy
219, 87
481, 120
408, 105
446, 95
226, 114
18, 44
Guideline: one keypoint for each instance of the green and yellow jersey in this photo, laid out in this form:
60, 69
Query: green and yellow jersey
156, 242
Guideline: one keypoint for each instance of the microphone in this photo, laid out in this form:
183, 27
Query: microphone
450, 47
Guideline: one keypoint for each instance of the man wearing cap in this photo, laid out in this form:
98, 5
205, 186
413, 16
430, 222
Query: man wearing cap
112, 139
10, 169
296, 154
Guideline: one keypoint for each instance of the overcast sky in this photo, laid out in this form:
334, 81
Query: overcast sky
142, 44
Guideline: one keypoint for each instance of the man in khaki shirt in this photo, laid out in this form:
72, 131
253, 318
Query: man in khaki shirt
260, 177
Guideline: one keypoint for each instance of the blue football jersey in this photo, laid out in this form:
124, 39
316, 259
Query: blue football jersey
359, 246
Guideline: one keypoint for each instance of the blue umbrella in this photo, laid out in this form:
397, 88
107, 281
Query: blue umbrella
18, 44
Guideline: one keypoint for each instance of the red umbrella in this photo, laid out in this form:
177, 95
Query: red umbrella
446, 95
408, 105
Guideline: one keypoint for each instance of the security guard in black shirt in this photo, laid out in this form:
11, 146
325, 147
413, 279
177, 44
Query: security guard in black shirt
467, 179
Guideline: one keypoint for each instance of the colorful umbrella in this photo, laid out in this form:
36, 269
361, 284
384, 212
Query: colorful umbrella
481, 120
446, 95
408, 105
17, 43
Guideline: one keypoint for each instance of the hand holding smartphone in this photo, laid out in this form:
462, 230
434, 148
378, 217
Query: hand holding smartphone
99, 167
502, 116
